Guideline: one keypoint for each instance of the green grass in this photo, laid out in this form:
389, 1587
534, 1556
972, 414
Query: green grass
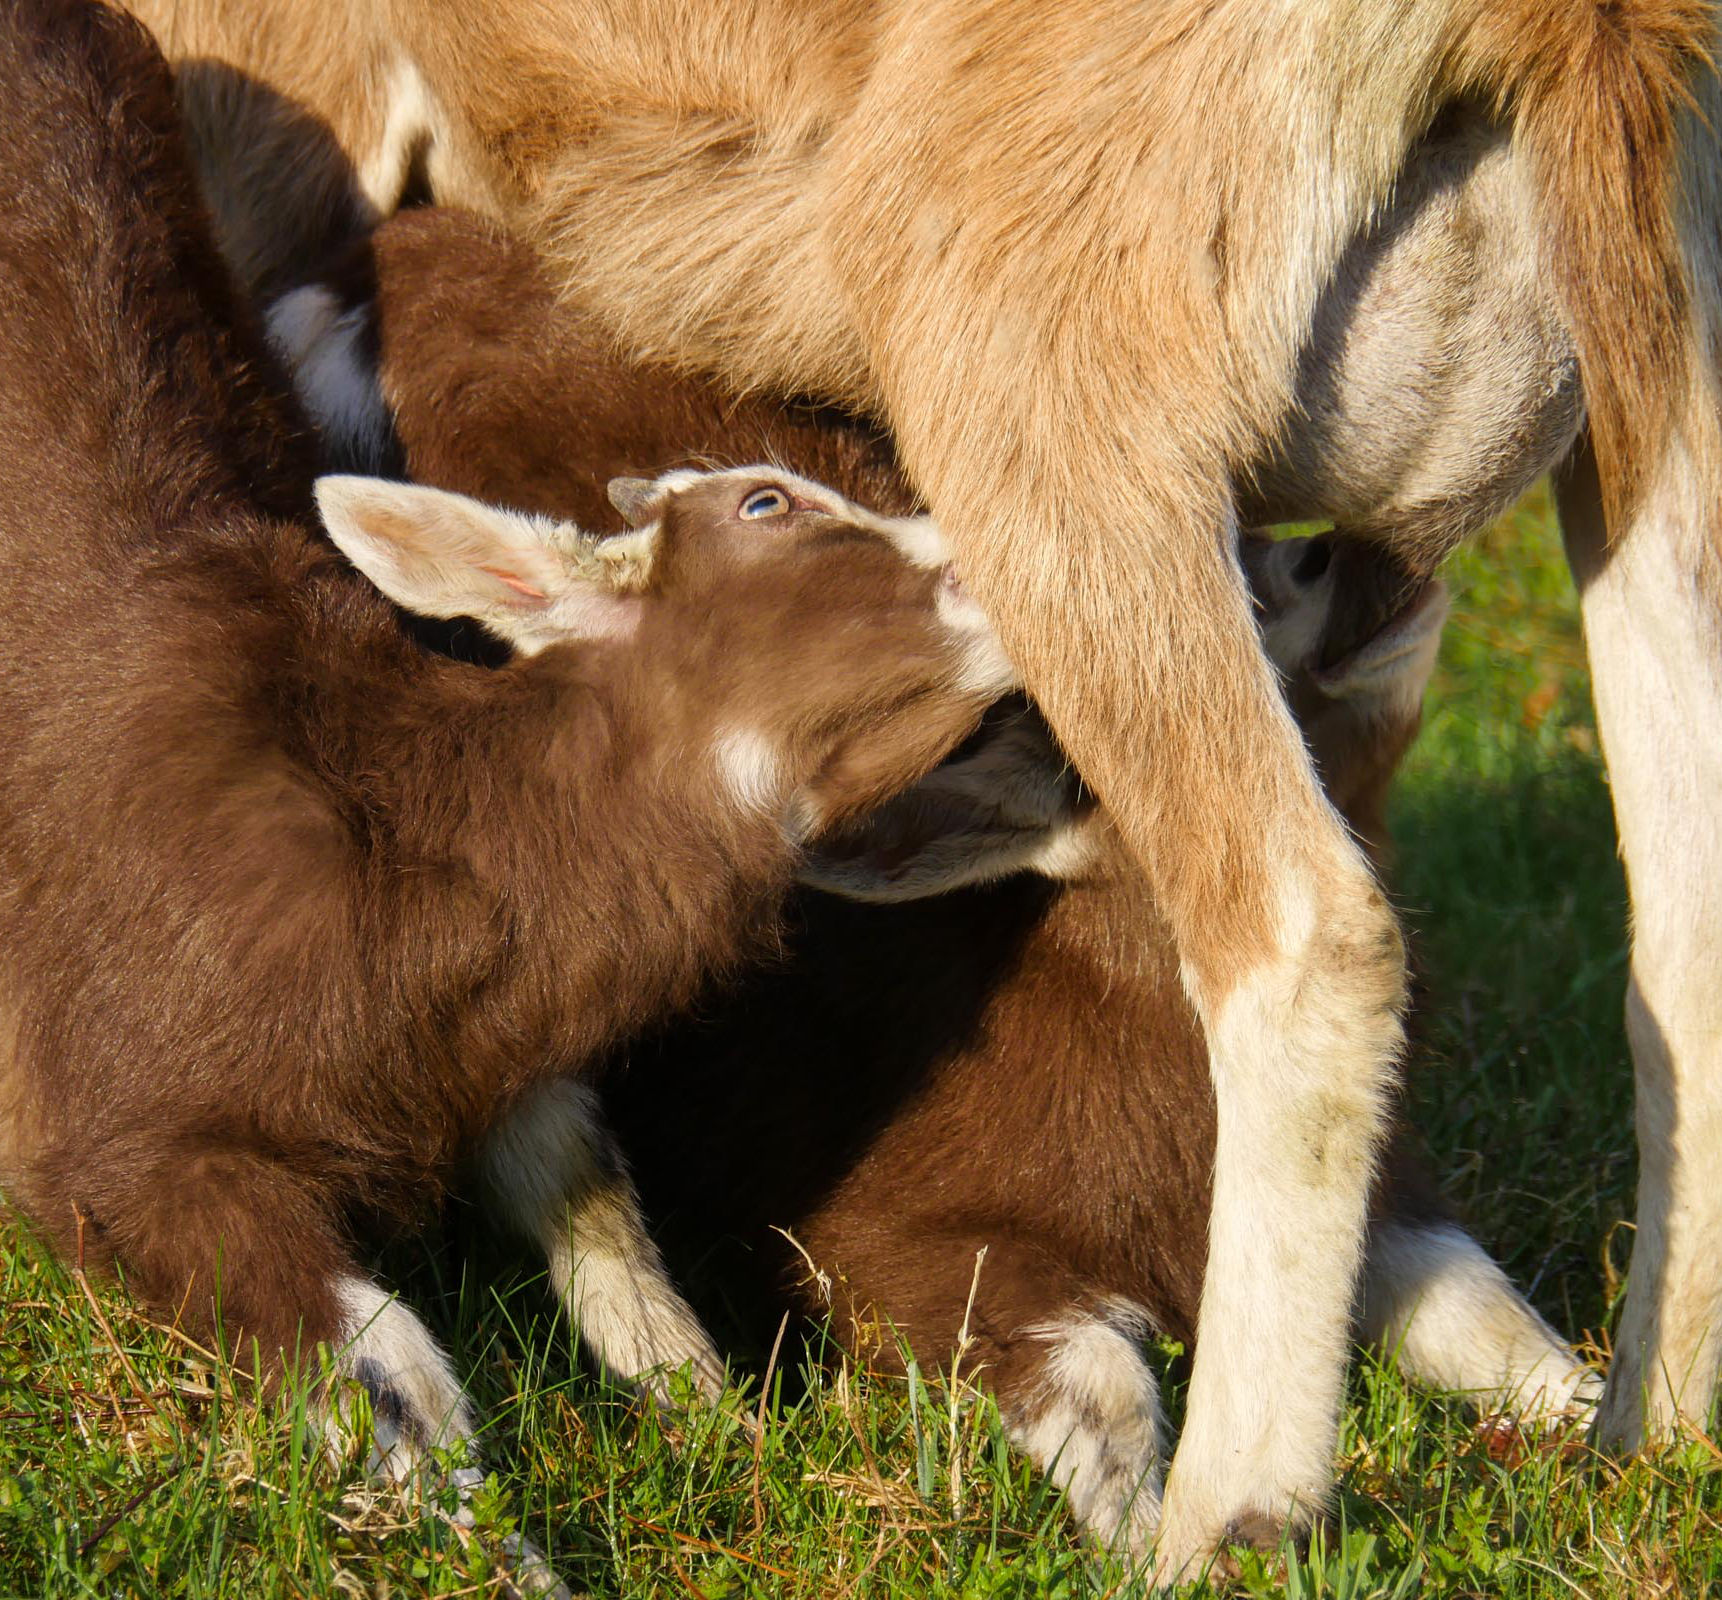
128, 1465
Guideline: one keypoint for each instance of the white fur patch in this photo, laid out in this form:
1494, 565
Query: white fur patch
986, 669
416, 1401
1433, 1296
679, 478
750, 769
323, 347
1069, 851
409, 128
561, 1179
919, 540
1094, 1423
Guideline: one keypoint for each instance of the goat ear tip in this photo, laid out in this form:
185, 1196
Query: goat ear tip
633, 497
342, 492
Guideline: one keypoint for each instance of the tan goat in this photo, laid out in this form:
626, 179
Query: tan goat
1073, 253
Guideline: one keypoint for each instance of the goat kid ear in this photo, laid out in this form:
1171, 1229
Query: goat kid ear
932, 841
1008, 803
442, 554
437, 553
638, 499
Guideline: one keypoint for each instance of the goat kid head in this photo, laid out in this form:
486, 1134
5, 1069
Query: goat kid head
1009, 801
824, 656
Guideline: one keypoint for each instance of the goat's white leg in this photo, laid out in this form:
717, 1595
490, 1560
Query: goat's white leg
1433, 1297
1301, 1048
1091, 1420
416, 1406
560, 1178
416, 1402
1653, 627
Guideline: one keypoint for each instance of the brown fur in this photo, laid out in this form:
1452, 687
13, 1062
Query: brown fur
294, 909
498, 390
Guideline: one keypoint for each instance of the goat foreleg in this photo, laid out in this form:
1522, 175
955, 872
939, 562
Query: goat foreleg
560, 1179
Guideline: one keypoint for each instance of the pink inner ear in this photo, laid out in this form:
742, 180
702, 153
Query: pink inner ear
515, 582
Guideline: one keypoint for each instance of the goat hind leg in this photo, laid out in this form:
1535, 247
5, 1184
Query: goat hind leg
559, 1177
1432, 1296
1652, 606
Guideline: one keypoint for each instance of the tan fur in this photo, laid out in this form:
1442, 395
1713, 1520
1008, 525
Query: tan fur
1071, 254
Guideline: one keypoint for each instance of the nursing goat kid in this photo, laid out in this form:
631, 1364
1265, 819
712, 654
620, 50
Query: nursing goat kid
1075, 257
299, 917
1014, 1068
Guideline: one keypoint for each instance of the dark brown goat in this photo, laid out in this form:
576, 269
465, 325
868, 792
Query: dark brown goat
294, 910
1014, 1068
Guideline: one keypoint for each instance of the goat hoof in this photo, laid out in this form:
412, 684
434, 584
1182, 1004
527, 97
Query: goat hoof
1248, 1529
530, 1576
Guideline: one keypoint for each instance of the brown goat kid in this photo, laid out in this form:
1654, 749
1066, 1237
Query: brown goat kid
1014, 1067
296, 911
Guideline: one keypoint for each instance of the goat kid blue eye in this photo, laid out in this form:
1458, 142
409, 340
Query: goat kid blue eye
765, 503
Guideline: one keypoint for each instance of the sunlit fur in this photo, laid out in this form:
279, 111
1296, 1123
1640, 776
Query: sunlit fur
1072, 254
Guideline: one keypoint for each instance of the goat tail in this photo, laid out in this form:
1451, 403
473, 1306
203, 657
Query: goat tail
1595, 90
